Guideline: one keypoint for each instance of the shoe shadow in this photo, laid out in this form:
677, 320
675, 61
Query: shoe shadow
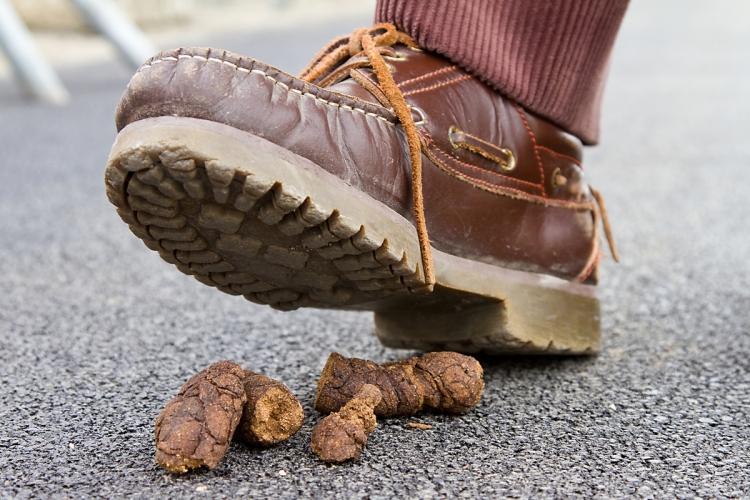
499, 367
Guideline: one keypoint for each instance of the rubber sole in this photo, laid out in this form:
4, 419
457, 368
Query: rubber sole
250, 218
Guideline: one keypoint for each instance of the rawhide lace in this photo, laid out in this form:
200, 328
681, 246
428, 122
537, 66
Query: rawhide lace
372, 44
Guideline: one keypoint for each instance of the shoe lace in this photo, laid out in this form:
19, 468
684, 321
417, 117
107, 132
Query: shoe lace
372, 43
601, 210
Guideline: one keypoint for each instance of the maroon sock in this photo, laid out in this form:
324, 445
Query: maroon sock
550, 56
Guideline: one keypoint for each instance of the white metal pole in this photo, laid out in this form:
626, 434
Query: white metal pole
112, 22
35, 73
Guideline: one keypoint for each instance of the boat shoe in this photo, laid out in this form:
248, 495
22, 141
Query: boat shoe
383, 178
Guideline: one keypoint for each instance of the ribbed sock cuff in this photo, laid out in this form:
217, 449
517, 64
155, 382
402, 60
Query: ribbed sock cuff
551, 57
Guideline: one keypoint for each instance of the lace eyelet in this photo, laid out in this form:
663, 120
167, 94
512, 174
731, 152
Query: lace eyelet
510, 165
398, 56
422, 118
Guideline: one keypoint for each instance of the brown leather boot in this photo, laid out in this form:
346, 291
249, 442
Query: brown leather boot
384, 178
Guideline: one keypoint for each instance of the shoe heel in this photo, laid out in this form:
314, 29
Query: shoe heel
476, 307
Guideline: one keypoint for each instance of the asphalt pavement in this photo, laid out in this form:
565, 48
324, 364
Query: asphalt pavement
97, 333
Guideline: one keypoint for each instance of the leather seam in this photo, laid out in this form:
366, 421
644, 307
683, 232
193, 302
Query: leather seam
474, 167
433, 87
269, 77
560, 155
427, 75
533, 142
507, 191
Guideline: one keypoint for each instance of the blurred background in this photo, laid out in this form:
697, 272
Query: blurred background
66, 39
97, 333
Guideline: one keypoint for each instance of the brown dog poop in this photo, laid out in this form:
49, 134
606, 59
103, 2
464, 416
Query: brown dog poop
271, 414
195, 428
223, 401
446, 382
341, 436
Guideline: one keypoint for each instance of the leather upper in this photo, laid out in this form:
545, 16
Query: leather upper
501, 185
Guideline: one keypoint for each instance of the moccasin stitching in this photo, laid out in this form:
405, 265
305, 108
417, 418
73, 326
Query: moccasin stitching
269, 77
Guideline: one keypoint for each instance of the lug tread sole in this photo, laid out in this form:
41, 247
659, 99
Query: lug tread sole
260, 238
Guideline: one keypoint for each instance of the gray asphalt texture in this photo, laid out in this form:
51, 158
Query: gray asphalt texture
97, 333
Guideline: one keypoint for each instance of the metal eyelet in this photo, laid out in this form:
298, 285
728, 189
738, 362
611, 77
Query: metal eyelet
391, 68
422, 118
511, 163
416, 49
557, 179
397, 56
